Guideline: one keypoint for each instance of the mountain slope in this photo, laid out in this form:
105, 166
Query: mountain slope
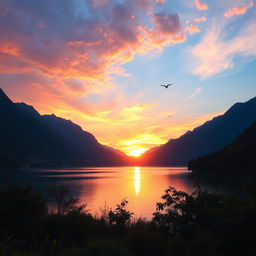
25, 139
29, 138
238, 156
84, 143
209, 137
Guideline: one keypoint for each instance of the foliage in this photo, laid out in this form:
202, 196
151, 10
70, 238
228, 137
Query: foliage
206, 220
22, 212
196, 224
120, 216
6, 244
179, 211
65, 203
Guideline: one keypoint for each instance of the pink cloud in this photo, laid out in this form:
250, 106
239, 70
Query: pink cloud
192, 29
239, 10
197, 20
160, 1
215, 54
66, 45
201, 6
71, 62
53, 57
201, 19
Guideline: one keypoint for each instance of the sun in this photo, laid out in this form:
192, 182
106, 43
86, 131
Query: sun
136, 152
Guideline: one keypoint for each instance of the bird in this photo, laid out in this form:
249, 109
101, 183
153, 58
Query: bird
166, 86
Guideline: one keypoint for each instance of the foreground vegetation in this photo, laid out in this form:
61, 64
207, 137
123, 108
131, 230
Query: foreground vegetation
197, 224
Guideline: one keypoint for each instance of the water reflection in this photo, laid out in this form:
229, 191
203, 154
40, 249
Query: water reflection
99, 186
137, 180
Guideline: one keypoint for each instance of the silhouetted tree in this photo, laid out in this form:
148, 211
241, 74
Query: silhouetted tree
65, 203
120, 216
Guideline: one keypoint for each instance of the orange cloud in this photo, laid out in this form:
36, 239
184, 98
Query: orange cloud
201, 19
55, 67
197, 20
200, 5
68, 52
66, 64
192, 29
239, 10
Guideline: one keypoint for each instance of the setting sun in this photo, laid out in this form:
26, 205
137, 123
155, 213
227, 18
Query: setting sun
139, 144
136, 152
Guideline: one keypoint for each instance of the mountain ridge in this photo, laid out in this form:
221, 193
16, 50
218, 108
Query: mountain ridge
206, 138
236, 157
47, 140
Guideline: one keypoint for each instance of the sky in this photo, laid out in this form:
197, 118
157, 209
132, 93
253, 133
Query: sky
99, 63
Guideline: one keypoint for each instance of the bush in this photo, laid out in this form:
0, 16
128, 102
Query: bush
120, 216
21, 213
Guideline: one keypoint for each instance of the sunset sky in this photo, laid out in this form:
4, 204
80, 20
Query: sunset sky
100, 63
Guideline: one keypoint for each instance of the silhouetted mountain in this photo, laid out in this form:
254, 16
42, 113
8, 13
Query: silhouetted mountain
84, 143
116, 151
238, 156
29, 138
28, 110
209, 137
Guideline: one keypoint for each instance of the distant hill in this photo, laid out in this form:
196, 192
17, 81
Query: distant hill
28, 138
236, 157
207, 138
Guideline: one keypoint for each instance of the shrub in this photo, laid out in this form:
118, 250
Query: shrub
120, 216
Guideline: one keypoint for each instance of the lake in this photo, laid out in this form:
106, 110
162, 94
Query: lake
107, 186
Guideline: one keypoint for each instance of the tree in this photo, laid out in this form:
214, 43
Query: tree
176, 213
120, 216
65, 203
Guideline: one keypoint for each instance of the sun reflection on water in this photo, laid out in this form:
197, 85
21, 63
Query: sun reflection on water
137, 180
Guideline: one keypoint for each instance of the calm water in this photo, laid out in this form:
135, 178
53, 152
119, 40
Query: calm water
100, 186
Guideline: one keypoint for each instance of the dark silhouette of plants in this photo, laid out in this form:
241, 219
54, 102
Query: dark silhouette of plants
120, 216
6, 245
22, 212
106, 247
65, 203
196, 224
176, 212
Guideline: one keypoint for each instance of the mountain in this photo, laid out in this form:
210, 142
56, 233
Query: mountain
84, 143
238, 156
28, 138
207, 138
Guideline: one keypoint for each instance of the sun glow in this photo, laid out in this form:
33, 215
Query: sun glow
139, 144
137, 180
135, 152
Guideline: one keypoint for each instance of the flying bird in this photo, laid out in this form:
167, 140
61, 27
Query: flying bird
166, 86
